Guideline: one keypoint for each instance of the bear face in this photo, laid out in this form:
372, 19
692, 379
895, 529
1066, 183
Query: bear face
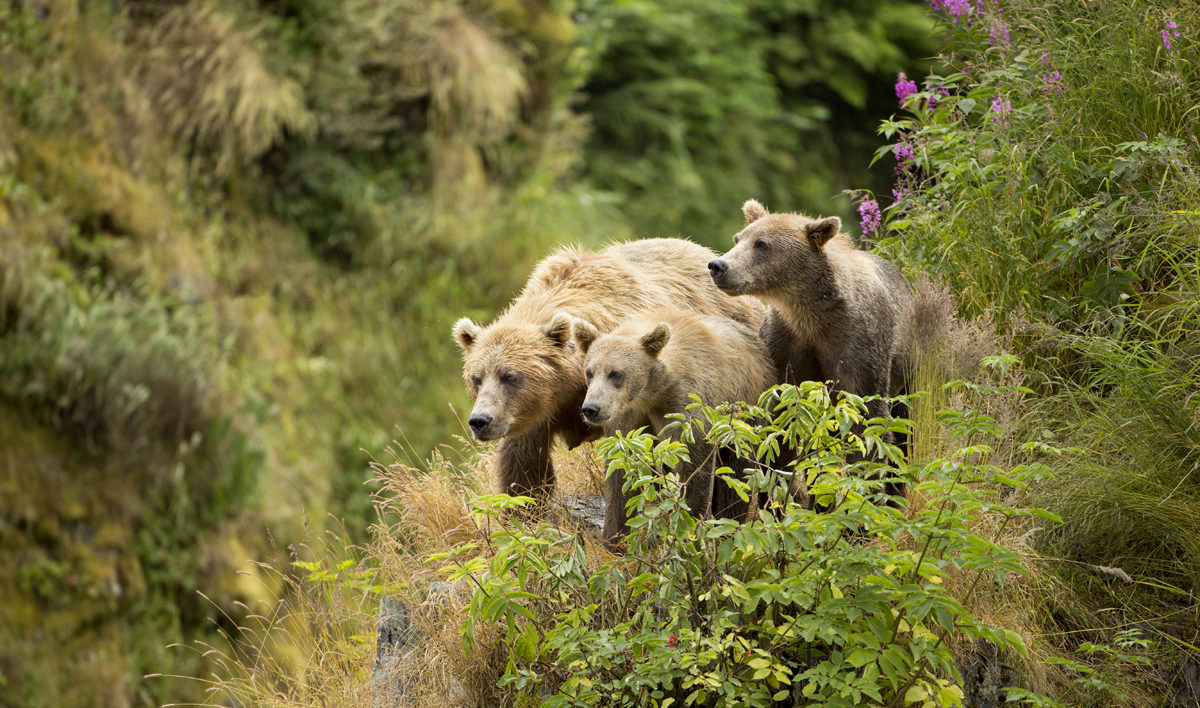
617, 368
774, 252
515, 373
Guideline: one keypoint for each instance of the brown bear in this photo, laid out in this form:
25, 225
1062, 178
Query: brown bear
646, 369
523, 371
835, 313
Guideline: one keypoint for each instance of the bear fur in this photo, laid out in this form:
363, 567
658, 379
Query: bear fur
645, 370
523, 371
835, 313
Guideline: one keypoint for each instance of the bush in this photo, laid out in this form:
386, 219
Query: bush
860, 603
1050, 173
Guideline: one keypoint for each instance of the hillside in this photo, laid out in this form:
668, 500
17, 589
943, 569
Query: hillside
234, 236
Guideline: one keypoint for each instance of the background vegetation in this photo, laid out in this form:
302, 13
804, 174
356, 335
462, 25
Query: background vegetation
233, 236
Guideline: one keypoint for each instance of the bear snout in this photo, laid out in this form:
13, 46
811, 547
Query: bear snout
479, 423
590, 411
718, 267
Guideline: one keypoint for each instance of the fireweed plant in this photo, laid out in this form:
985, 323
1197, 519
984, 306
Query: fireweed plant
1048, 162
1055, 185
846, 606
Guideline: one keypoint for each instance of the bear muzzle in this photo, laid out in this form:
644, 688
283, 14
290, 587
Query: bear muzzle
727, 280
718, 267
590, 412
480, 424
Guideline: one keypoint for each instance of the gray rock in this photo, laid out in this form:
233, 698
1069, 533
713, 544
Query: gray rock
398, 635
395, 636
586, 511
985, 675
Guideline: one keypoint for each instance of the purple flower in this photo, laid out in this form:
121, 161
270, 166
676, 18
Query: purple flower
870, 215
1001, 110
905, 87
1046, 59
936, 90
957, 8
1168, 33
998, 33
1053, 83
899, 194
903, 153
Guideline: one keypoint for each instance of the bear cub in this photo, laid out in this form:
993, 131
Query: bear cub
646, 368
835, 313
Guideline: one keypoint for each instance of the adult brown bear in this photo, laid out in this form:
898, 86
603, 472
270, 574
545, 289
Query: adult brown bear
523, 371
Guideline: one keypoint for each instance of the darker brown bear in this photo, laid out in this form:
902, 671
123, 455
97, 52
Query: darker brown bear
523, 370
835, 313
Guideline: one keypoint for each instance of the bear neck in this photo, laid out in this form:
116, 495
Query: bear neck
811, 306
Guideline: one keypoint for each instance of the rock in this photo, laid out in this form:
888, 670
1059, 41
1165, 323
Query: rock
395, 635
985, 676
586, 511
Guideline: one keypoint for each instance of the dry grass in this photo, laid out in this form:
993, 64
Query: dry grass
207, 70
476, 82
951, 348
425, 508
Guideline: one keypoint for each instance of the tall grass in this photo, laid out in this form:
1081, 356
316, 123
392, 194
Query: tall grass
1053, 185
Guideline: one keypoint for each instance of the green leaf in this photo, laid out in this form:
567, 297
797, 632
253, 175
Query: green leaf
525, 648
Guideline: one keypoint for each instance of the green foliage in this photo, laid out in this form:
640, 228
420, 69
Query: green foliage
697, 106
840, 607
1053, 178
1079, 210
120, 369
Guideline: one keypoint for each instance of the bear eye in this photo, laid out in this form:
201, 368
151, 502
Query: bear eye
508, 378
616, 378
475, 380
587, 375
760, 245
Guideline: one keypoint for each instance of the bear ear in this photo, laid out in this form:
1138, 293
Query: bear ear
819, 232
585, 334
559, 329
753, 211
657, 338
465, 333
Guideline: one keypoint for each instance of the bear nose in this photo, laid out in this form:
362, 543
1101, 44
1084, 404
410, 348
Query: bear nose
479, 422
590, 410
718, 267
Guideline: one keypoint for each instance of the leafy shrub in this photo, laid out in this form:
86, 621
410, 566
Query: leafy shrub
1050, 172
859, 603
122, 370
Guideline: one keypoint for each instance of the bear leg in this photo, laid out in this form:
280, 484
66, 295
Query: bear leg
698, 479
523, 464
615, 520
726, 504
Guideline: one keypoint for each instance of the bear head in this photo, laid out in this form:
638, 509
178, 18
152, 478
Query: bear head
516, 373
617, 367
774, 253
